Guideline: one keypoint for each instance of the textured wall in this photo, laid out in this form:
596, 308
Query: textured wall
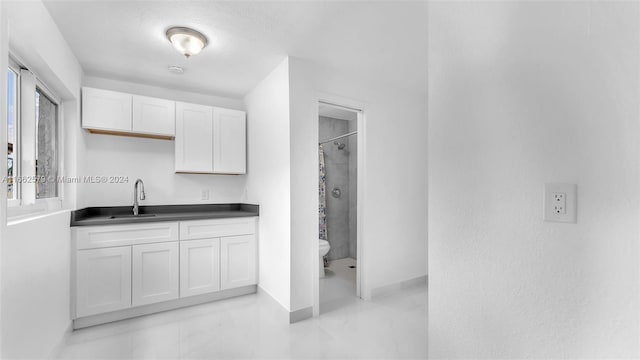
520, 94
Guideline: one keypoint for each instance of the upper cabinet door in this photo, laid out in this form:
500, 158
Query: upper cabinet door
106, 110
194, 138
153, 116
230, 141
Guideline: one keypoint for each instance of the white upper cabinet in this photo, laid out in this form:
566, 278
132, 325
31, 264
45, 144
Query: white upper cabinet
153, 116
113, 112
106, 110
229, 139
210, 140
194, 131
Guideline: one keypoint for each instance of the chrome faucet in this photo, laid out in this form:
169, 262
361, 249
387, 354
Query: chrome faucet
135, 195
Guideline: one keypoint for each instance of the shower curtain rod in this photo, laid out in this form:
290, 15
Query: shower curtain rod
338, 137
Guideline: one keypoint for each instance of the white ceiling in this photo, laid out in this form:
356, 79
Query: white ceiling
385, 41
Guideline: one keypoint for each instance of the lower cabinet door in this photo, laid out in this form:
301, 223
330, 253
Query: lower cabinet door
155, 273
238, 261
103, 280
199, 266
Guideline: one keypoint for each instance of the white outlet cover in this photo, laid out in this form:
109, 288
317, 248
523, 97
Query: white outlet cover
570, 192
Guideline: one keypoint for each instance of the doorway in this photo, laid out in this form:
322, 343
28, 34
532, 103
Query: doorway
339, 160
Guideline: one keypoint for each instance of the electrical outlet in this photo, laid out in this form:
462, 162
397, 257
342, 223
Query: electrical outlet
205, 194
560, 203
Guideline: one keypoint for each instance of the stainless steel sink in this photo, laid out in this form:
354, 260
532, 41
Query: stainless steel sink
130, 216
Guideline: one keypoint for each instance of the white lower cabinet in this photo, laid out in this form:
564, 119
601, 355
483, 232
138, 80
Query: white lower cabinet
238, 261
157, 262
155, 273
199, 266
103, 280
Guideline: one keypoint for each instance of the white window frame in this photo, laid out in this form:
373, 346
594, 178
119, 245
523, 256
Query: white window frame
26, 206
17, 162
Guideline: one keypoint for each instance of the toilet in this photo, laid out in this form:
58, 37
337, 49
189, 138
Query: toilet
324, 249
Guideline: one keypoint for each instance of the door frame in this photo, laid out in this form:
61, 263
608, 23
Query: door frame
360, 108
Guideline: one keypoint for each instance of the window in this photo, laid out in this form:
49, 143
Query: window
33, 137
46, 146
12, 134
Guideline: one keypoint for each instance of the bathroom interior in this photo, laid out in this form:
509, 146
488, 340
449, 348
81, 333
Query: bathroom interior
338, 215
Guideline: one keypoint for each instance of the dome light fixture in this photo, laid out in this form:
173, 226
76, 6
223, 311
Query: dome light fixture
187, 41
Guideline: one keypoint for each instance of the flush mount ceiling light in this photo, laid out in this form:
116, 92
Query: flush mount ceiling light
187, 41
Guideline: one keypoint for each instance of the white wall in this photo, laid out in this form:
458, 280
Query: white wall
35, 287
151, 160
34, 260
520, 94
268, 179
395, 173
303, 129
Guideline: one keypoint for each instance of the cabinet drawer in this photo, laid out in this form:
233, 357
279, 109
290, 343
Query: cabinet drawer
202, 229
91, 237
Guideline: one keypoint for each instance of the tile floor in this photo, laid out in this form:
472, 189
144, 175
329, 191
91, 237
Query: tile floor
338, 287
392, 327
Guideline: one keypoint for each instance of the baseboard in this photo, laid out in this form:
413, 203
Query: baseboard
55, 352
159, 307
391, 288
299, 315
282, 313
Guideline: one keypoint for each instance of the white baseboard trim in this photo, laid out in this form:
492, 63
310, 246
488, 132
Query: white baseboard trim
55, 352
391, 288
299, 315
159, 307
285, 315
279, 310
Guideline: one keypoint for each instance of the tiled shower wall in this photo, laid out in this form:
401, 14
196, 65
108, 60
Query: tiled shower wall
340, 168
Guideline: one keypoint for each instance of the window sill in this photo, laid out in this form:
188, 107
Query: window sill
20, 214
20, 219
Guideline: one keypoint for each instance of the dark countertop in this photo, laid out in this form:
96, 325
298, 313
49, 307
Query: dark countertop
111, 215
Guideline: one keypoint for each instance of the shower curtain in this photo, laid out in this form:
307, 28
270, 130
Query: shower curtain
322, 209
